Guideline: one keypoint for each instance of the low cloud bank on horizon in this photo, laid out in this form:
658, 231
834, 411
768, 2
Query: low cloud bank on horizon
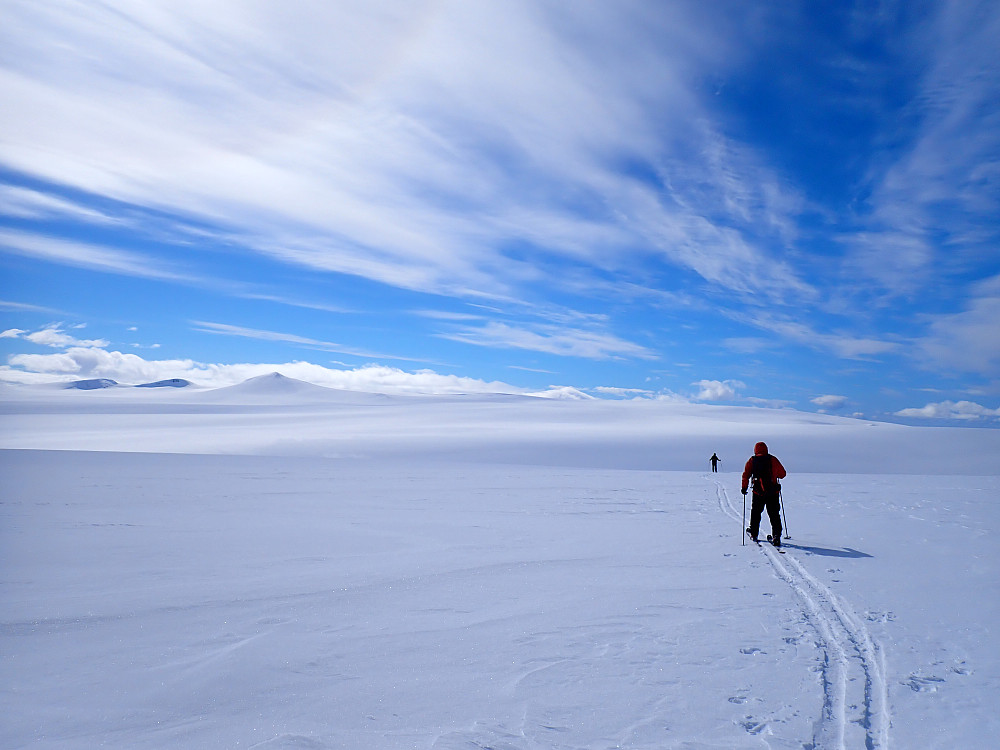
83, 359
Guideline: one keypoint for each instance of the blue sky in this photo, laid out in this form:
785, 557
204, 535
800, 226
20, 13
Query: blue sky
789, 203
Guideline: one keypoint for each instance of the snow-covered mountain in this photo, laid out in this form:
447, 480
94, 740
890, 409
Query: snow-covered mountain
169, 383
92, 384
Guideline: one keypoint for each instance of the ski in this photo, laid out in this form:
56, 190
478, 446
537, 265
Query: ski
770, 540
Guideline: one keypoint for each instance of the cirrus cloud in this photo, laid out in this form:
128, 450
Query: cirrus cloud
567, 342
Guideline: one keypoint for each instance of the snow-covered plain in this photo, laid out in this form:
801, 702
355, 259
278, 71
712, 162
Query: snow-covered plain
277, 565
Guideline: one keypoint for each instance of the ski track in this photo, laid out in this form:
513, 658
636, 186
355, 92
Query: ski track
855, 690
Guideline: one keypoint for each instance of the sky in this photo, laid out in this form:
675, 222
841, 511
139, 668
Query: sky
788, 204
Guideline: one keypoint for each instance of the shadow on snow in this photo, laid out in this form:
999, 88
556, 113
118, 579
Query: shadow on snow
844, 552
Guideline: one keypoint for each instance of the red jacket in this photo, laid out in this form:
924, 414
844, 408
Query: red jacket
777, 470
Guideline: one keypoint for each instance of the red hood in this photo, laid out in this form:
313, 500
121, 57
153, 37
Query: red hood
760, 449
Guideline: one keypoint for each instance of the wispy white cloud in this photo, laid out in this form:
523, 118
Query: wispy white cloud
24, 203
897, 263
9, 306
88, 255
749, 344
416, 158
291, 338
104, 258
935, 194
967, 341
530, 369
841, 343
567, 342
294, 302
446, 315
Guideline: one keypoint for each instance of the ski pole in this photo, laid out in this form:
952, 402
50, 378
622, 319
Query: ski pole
743, 527
783, 519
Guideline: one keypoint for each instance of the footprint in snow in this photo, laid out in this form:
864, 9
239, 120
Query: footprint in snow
752, 726
874, 616
924, 684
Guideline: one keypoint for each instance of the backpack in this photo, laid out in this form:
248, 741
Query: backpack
763, 473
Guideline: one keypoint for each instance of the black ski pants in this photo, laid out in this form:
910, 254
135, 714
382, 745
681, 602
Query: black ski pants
761, 501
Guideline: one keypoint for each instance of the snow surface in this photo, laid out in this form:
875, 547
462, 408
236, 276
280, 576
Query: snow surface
277, 565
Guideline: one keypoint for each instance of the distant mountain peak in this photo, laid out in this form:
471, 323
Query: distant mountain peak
169, 383
92, 384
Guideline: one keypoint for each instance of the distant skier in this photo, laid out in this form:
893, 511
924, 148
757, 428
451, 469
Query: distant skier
765, 470
715, 462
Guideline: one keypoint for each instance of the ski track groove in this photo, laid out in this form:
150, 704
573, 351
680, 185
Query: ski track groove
847, 647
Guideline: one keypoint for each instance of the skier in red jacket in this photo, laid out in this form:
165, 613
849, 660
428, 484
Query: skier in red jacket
765, 470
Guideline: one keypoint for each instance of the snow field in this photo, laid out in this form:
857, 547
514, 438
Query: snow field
412, 575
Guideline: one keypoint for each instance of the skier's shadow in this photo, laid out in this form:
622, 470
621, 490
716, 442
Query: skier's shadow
845, 552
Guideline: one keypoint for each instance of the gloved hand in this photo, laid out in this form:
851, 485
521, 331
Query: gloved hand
744, 490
